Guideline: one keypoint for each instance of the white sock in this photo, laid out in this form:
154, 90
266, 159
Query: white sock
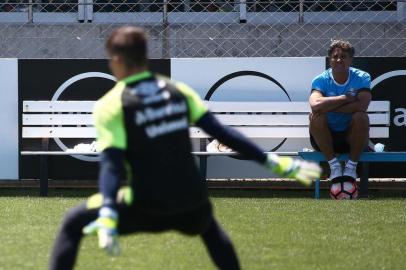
351, 164
333, 162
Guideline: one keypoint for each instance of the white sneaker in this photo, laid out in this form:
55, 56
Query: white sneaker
350, 171
216, 146
213, 146
335, 172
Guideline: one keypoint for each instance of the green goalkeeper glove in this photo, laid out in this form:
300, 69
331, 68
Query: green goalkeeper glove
303, 171
106, 228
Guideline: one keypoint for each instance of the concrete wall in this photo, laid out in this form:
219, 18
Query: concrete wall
204, 40
9, 119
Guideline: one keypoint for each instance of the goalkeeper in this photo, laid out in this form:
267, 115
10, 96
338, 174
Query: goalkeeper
143, 134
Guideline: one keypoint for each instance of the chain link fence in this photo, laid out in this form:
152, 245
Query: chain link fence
208, 28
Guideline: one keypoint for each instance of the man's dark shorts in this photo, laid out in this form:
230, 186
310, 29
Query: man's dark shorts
195, 221
340, 144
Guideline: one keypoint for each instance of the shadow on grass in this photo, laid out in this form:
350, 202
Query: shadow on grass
215, 193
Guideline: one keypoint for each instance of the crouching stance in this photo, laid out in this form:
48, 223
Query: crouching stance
143, 134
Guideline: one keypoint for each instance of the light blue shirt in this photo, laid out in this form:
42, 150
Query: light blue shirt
325, 83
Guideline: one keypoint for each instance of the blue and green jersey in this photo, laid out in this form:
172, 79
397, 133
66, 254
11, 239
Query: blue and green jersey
148, 117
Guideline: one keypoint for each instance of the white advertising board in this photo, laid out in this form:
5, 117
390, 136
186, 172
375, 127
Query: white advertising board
9, 119
249, 79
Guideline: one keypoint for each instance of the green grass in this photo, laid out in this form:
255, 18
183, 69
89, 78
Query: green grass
269, 231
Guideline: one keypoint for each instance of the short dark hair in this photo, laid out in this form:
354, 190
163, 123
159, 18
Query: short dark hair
343, 45
130, 42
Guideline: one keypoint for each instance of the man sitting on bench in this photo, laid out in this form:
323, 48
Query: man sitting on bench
339, 101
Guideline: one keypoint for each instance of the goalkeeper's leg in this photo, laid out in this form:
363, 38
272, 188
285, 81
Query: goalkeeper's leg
220, 247
66, 245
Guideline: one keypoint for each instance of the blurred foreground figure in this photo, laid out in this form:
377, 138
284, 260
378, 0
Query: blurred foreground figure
143, 135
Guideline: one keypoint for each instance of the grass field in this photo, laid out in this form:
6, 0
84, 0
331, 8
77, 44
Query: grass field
270, 231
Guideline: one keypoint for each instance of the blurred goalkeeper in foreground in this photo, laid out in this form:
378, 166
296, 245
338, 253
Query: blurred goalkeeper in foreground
142, 131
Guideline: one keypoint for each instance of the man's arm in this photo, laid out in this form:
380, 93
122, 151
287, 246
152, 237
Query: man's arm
321, 104
200, 116
231, 137
303, 171
105, 226
111, 139
360, 105
111, 172
111, 142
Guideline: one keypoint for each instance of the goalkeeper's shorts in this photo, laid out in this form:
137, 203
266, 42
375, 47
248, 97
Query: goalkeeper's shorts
134, 219
191, 222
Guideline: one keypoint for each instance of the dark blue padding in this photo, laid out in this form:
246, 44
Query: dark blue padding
365, 157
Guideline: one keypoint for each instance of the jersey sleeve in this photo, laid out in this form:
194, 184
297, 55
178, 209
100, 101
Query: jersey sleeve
108, 120
364, 81
318, 84
197, 108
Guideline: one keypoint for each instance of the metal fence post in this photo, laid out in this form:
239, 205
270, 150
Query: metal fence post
243, 11
401, 10
30, 12
165, 12
89, 10
301, 11
81, 10
186, 4
165, 26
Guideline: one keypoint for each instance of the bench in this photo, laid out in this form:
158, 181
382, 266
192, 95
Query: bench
268, 120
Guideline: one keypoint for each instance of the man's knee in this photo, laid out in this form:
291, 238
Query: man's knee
318, 121
360, 120
69, 219
72, 221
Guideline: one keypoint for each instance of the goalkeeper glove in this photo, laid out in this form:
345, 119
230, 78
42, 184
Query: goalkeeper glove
106, 228
303, 171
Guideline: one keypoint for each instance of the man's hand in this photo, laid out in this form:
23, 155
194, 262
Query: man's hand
351, 95
351, 92
303, 171
106, 228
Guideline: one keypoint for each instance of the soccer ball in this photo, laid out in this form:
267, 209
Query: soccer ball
343, 188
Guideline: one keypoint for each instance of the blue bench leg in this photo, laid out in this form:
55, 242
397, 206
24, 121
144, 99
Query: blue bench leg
317, 189
363, 192
203, 166
43, 178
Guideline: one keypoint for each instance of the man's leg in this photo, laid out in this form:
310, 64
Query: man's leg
358, 135
217, 242
67, 242
220, 247
320, 132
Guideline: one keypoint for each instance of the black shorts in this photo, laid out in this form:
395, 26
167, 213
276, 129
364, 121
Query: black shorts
132, 219
340, 144
193, 222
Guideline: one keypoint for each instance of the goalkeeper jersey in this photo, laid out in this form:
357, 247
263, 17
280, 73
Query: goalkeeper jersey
148, 117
